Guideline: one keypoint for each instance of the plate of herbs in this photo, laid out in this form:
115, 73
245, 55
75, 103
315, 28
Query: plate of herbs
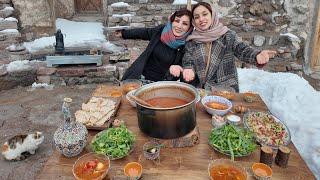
115, 142
232, 141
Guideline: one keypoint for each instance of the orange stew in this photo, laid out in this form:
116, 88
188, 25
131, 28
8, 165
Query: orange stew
216, 105
222, 172
130, 86
91, 169
166, 102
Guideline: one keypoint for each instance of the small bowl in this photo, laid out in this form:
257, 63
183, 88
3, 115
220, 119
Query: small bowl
218, 121
132, 102
226, 164
233, 119
217, 99
91, 163
250, 97
226, 92
151, 150
130, 84
133, 170
261, 171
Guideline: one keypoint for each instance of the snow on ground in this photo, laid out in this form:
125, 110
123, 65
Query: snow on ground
76, 34
183, 2
291, 99
120, 4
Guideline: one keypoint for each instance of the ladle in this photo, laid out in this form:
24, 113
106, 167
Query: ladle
139, 100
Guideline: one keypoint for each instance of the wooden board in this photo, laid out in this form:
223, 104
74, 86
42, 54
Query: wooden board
178, 163
108, 123
106, 91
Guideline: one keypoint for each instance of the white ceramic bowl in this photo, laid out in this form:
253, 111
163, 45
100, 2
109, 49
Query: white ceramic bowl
218, 99
133, 104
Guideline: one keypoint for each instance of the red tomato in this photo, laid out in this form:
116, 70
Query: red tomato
91, 164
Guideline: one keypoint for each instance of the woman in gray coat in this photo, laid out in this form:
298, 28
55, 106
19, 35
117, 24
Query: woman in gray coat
211, 49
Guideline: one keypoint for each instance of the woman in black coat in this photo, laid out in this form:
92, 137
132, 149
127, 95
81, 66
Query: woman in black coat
166, 47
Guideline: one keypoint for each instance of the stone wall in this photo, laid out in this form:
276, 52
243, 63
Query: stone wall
64, 9
36, 17
264, 24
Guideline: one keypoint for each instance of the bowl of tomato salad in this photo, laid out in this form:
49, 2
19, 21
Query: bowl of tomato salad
91, 166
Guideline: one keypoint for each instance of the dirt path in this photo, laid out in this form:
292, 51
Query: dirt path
23, 111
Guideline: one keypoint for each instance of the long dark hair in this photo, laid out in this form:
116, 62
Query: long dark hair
181, 13
206, 5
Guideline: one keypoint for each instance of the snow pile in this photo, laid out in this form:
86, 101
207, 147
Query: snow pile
19, 66
291, 99
120, 4
122, 15
76, 34
183, 2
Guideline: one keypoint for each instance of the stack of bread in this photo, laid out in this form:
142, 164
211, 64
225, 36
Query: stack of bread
96, 112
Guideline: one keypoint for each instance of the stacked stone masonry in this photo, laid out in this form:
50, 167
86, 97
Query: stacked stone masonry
281, 25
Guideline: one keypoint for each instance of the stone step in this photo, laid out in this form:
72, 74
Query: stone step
6, 12
5, 24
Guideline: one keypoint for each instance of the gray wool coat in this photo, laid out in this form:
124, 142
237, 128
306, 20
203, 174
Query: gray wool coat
222, 69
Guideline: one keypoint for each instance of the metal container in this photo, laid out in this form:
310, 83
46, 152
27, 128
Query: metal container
167, 123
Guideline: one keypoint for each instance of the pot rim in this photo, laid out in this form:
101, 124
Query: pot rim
166, 83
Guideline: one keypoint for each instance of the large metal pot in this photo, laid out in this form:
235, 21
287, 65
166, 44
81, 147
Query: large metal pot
167, 123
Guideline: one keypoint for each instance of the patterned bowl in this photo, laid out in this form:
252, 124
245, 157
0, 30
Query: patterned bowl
217, 99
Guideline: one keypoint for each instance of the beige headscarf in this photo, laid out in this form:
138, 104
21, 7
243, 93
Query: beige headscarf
215, 31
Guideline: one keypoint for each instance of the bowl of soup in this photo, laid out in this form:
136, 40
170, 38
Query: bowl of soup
130, 84
91, 166
216, 105
226, 169
173, 111
133, 170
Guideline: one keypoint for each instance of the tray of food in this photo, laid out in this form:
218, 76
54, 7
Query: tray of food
268, 129
115, 142
232, 141
98, 112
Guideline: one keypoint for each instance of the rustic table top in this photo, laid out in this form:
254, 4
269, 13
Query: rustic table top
178, 163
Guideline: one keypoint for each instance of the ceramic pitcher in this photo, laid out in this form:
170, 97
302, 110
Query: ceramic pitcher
71, 137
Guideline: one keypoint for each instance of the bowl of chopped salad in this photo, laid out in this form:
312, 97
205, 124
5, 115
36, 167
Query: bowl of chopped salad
268, 129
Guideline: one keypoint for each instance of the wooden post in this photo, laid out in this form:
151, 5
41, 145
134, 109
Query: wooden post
189, 5
315, 45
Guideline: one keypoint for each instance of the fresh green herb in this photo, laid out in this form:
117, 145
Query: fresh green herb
114, 142
232, 140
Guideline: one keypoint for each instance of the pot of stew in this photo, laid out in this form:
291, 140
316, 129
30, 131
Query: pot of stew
173, 111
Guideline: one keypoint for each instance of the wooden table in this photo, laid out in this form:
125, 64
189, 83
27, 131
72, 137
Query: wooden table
178, 163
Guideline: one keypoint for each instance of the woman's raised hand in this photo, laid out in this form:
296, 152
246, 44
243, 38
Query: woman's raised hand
118, 33
188, 74
264, 56
175, 70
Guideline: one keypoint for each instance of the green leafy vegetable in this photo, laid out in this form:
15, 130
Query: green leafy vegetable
233, 141
114, 142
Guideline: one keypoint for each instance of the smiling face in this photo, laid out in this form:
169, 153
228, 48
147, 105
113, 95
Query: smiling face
180, 25
202, 18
